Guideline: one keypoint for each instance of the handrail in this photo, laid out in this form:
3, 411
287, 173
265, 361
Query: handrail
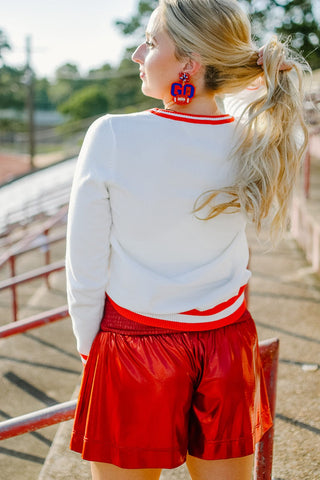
22, 244
39, 419
32, 275
44, 241
26, 245
13, 282
35, 321
269, 353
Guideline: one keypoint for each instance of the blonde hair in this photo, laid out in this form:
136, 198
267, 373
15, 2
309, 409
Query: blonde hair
275, 135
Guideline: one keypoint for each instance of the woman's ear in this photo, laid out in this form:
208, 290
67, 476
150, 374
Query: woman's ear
193, 65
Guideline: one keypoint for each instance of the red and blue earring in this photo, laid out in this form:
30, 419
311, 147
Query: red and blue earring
182, 92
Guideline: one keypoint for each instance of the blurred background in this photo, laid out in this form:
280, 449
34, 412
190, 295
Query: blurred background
62, 64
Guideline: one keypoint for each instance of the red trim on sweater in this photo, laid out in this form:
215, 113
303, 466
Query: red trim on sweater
217, 308
181, 326
190, 118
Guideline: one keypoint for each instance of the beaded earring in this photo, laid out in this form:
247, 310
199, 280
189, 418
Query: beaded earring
182, 92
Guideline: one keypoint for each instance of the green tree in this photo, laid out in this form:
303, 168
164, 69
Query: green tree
88, 102
42, 98
293, 18
100, 73
67, 71
299, 22
4, 45
12, 88
67, 81
12, 97
123, 89
136, 25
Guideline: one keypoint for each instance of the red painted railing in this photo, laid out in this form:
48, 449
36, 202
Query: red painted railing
35, 321
39, 419
27, 277
269, 350
24, 244
38, 238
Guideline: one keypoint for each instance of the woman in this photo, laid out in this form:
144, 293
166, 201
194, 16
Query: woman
157, 252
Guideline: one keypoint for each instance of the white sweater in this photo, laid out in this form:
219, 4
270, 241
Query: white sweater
131, 230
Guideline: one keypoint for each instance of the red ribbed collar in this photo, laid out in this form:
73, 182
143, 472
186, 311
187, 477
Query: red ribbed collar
187, 117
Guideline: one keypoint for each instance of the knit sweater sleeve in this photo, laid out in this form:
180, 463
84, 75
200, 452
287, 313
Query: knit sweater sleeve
88, 231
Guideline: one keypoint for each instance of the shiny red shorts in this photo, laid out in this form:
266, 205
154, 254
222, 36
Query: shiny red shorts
148, 399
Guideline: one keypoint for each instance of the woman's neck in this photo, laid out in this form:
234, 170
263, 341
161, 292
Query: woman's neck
199, 105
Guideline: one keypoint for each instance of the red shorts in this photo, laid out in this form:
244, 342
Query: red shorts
148, 399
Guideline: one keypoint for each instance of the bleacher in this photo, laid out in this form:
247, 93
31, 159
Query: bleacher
36, 196
39, 366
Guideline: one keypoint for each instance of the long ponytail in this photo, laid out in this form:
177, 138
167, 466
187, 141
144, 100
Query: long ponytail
270, 153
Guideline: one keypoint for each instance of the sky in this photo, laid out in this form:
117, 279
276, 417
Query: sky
75, 31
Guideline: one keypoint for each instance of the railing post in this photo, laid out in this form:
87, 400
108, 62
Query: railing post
13, 288
269, 351
46, 249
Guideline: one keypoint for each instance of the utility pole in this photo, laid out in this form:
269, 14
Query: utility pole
30, 102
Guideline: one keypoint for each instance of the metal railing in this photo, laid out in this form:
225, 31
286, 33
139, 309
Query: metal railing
13, 282
35, 321
269, 351
38, 239
32, 236
36, 420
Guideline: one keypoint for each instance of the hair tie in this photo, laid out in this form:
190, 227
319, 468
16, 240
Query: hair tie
285, 65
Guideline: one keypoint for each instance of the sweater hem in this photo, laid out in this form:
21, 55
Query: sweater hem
180, 325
